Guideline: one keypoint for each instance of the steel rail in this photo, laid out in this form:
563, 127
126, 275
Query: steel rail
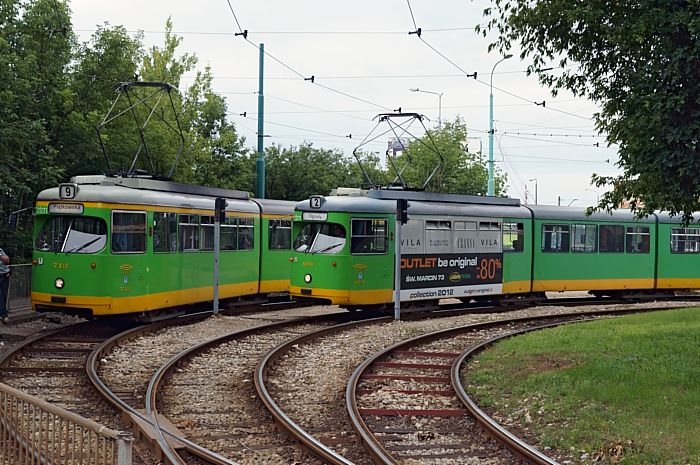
166, 368
92, 363
374, 446
513, 442
15, 351
286, 423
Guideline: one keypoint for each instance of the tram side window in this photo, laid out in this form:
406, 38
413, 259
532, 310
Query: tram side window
585, 238
465, 236
164, 232
128, 232
229, 234
369, 236
280, 235
685, 240
490, 237
612, 238
189, 233
513, 237
207, 233
246, 233
555, 238
637, 239
438, 236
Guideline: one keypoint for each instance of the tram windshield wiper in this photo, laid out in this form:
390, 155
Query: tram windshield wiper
81, 247
326, 249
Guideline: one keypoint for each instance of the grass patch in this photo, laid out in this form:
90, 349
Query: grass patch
624, 390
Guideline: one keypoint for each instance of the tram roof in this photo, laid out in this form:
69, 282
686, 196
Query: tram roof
550, 212
150, 192
431, 204
276, 207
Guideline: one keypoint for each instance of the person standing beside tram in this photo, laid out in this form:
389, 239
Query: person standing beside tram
4, 285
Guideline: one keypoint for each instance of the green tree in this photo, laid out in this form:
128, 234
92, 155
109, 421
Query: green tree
297, 172
640, 60
217, 155
35, 51
109, 58
462, 172
371, 163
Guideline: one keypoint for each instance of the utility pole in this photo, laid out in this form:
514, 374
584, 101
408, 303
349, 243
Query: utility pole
535, 179
260, 162
491, 186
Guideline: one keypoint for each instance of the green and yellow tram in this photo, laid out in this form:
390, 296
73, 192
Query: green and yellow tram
112, 245
472, 247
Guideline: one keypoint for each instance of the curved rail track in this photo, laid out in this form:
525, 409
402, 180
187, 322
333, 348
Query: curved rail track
241, 430
51, 366
318, 440
408, 405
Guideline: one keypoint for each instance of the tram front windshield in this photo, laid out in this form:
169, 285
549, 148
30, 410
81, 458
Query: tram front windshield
323, 238
70, 234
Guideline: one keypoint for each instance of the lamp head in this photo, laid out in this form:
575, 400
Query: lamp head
509, 55
415, 89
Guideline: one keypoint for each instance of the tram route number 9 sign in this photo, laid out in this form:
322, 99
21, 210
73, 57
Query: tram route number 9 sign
451, 275
67, 191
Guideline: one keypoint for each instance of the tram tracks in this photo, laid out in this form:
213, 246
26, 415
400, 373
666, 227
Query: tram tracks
194, 380
409, 406
136, 392
51, 366
230, 420
405, 408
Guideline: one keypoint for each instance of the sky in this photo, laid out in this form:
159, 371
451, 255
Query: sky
364, 62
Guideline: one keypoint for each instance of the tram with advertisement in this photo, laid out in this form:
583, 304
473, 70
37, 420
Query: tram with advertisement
134, 245
480, 248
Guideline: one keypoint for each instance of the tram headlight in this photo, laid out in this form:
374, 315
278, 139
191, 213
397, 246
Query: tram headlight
307, 278
59, 283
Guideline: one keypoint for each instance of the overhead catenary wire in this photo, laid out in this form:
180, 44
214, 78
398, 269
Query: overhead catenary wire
561, 142
292, 32
418, 32
237, 115
244, 33
550, 134
512, 169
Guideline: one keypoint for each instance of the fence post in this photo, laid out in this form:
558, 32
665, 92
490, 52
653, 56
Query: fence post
125, 442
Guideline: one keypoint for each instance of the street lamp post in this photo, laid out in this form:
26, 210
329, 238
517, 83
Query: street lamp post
535, 179
439, 94
491, 190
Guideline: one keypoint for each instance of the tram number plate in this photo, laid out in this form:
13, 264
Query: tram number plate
315, 201
67, 191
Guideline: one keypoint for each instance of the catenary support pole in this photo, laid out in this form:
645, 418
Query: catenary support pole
260, 162
397, 273
217, 244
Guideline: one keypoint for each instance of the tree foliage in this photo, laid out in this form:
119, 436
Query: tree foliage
35, 51
461, 173
295, 173
55, 92
640, 60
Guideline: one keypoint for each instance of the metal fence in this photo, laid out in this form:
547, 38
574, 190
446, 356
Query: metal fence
20, 290
35, 432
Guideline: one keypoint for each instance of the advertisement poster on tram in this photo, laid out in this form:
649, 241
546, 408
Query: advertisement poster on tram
451, 259
450, 276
